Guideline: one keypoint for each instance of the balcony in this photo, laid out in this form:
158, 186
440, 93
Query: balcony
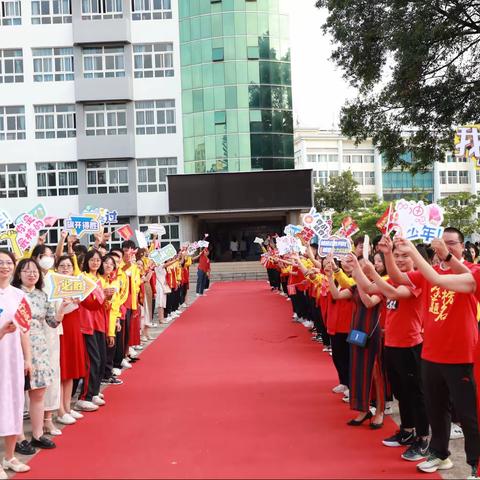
103, 89
105, 146
100, 28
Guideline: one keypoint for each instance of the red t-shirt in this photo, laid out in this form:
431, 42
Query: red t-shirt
403, 322
450, 322
204, 263
339, 319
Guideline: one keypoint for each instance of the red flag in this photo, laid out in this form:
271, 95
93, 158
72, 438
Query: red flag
349, 227
125, 232
23, 316
384, 223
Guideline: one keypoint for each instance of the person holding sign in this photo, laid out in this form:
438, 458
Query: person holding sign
29, 278
450, 346
15, 362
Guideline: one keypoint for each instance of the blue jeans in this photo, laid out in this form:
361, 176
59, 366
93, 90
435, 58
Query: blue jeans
201, 281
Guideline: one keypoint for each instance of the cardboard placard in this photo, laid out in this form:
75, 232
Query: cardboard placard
68, 286
467, 143
23, 316
258, 240
339, 246
28, 229
163, 255
125, 232
82, 224
157, 229
141, 240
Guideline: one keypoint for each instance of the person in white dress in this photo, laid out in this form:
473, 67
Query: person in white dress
162, 290
15, 361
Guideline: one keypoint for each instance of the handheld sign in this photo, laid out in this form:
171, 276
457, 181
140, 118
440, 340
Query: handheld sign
366, 245
163, 255
141, 240
23, 316
203, 244
125, 232
157, 229
258, 240
338, 246
68, 286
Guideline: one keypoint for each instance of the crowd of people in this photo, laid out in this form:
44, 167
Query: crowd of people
399, 323
53, 371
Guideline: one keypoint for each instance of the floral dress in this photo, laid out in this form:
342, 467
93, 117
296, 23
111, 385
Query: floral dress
43, 312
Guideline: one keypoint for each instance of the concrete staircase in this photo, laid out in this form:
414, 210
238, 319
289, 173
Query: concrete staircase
232, 271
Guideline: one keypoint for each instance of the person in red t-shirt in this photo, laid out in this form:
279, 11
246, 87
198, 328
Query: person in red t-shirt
203, 270
403, 346
450, 342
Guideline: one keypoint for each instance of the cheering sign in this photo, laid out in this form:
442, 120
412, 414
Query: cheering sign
337, 245
292, 230
417, 221
82, 224
307, 234
28, 229
163, 255
65, 286
349, 227
288, 244
467, 143
157, 229
311, 218
125, 232
4, 221
23, 316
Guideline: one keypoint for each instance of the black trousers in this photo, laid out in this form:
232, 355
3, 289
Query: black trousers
109, 361
444, 382
404, 372
284, 283
97, 354
273, 277
341, 356
301, 303
119, 353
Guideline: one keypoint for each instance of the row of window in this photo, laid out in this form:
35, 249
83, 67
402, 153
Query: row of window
453, 177
152, 117
105, 176
354, 158
321, 177
60, 11
153, 60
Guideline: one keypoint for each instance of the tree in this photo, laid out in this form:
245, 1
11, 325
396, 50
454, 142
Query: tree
415, 67
341, 193
461, 212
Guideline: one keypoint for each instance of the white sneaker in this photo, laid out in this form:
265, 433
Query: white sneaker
388, 408
126, 363
3, 475
116, 372
183, 305
433, 463
15, 465
132, 353
96, 400
76, 415
86, 406
456, 432
101, 395
340, 388
295, 316
66, 419
346, 396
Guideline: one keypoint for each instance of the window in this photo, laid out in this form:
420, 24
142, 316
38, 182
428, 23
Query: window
322, 158
333, 158
333, 173
347, 159
11, 12
356, 159
57, 179
452, 178
463, 178
311, 158
102, 9
55, 121
171, 224
12, 123
220, 117
11, 66
155, 117
253, 53
106, 119
451, 159
369, 178
368, 159
322, 177
51, 11
477, 174
358, 177
152, 173
443, 177
153, 60
13, 180
151, 9
107, 176
103, 62
217, 54
52, 64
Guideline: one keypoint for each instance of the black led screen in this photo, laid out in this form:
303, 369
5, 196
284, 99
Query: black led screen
213, 192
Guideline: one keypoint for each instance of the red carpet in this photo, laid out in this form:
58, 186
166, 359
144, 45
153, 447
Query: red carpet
233, 389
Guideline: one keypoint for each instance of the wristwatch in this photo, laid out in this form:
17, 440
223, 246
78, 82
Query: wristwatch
448, 257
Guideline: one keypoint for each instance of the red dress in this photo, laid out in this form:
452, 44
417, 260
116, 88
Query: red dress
72, 348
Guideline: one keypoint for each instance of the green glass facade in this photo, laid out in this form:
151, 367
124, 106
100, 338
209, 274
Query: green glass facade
236, 85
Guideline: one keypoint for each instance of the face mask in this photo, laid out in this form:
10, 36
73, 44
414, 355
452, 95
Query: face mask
46, 263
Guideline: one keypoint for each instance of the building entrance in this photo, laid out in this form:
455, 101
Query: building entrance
243, 233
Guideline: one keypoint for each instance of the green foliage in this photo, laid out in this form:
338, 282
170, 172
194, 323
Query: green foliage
341, 193
461, 212
413, 64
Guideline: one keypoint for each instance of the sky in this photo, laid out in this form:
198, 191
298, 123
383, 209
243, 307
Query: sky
319, 91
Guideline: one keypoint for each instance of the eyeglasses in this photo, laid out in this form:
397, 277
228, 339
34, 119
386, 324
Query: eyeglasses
30, 272
6, 264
